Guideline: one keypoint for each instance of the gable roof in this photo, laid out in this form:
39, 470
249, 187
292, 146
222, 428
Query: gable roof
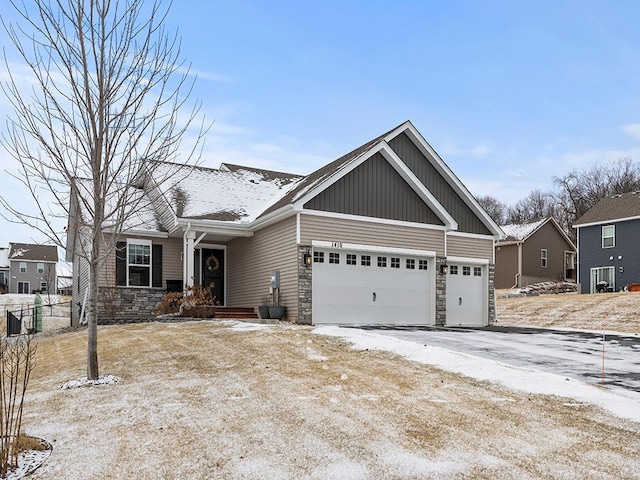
611, 208
27, 251
520, 232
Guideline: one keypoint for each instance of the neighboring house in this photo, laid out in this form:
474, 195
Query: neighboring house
33, 267
366, 239
608, 253
534, 252
5, 270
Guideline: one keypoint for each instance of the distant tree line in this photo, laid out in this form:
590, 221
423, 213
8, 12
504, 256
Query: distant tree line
573, 194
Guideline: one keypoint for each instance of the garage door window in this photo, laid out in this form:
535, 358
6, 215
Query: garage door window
422, 264
382, 261
365, 260
334, 257
453, 270
477, 271
351, 259
466, 271
318, 257
411, 264
395, 262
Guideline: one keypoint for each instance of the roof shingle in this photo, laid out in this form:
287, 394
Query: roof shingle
612, 207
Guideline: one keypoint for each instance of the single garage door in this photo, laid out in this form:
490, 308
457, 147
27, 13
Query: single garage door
355, 287
467, 294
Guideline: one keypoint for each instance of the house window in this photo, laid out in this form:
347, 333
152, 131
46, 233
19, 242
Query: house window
477, 271
40, 267
609, 236
453, 270
318, 257
23, 287
334, 258
365, 260
351, 259
382, 261
423, 264
395, 262
139, 264
411, 264
543, 258
43, 287
23, 267
466, 271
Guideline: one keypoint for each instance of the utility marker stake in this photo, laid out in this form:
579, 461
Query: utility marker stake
603, 340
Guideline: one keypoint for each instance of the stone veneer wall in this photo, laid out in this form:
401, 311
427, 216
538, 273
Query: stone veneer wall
441, 294
124, 304
492, 294
304, 287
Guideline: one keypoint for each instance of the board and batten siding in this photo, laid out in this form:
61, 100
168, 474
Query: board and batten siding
374, 189
422, 167
171, 261
315, 227
250, 263
470, 247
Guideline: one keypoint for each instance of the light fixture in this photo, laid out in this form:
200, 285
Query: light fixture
306, 258
444, 268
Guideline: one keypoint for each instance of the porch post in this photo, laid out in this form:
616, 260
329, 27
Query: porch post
187, 258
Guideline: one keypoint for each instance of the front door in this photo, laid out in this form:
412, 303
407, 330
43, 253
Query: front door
212, 268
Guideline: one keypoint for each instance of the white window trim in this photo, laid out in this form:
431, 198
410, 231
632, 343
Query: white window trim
544, 258
611, 236
38, 269
25, 267
131, 241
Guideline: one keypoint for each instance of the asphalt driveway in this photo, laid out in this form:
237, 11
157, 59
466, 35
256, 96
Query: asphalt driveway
574, 354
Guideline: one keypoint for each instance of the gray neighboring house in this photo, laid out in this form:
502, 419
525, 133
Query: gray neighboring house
33, 267
608, 254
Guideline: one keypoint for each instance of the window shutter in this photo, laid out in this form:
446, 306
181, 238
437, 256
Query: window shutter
156, 266
121, 263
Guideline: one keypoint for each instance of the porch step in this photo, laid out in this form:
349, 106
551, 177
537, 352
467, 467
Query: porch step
235, 312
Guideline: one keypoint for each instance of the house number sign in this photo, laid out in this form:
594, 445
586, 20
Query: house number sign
336, 244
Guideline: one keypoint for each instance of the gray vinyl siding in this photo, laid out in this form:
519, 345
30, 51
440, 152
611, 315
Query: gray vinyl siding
374, 189
591, 254
313, 227
468, 221
506, 266
470, 247
171, 261
251, 260
546, 237
31, 275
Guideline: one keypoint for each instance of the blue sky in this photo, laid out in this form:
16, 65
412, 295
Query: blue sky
508, 93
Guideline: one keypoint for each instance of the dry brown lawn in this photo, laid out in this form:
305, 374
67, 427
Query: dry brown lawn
599, 311
203, 400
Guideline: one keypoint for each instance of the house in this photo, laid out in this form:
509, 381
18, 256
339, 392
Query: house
386, 234
534, 252
32, 267
608, 255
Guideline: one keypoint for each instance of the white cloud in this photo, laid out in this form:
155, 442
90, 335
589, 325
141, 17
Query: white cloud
632, 129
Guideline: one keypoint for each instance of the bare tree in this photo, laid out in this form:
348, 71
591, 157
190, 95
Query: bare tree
494, 208
109, 85
534, 206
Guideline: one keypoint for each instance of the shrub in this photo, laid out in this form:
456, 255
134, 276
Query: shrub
195, 302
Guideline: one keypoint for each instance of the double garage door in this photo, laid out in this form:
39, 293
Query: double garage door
365, 287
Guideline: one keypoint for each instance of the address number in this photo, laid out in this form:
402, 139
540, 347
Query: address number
336, 244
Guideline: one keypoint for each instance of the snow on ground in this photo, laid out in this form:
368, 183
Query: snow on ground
622, 403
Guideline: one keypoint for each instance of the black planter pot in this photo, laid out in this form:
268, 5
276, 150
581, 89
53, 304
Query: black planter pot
263, 311
277, 312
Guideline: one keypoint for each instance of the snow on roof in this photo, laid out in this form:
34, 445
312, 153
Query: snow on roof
520, 231
233, 195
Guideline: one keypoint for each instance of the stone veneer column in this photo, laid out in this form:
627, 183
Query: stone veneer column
492, 295
441, 294
304, 287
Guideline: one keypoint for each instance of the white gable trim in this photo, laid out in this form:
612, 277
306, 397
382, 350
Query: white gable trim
398, 165
361, 218
607, 222
428, 151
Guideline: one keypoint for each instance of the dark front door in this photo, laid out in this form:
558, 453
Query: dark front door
213, 272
